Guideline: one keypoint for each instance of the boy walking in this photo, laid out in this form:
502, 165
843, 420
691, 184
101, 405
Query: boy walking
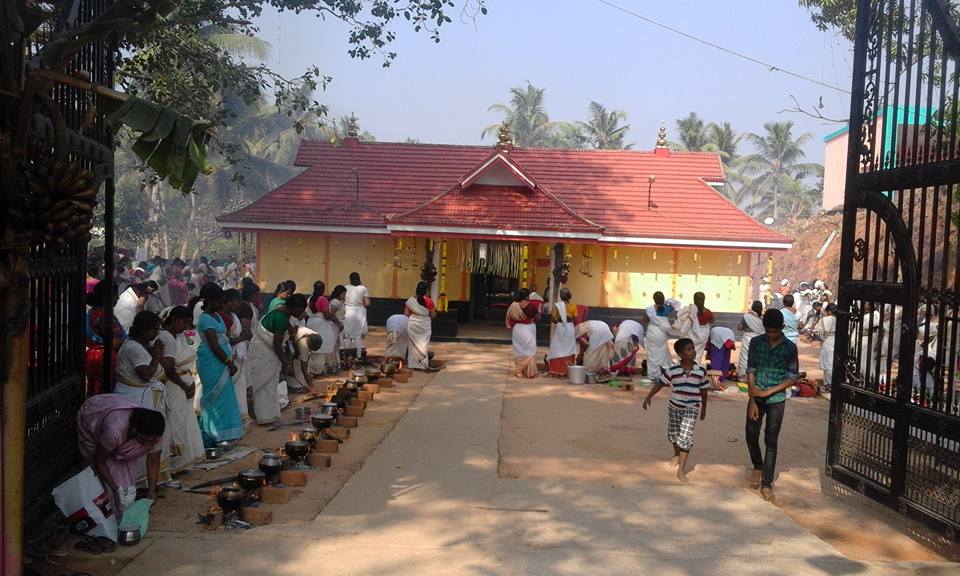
688, 384
772, 368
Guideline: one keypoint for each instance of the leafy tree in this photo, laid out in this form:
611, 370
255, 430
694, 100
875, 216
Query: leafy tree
527, 116
840, 14
692, 132
723, 139
604, 129
776, 168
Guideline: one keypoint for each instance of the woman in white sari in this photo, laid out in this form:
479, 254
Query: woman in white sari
322, 320
397, 340
339, 312
521, 319
827, 329
267, 358
752, 326
628, 339
420, 312
179, 362
596, 344
355, 303
659, 330
139, 373
563, 340
694, 322
239, 336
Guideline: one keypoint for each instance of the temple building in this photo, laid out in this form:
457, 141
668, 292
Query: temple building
614, 226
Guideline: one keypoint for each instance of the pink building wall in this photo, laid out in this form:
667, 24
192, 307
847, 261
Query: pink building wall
835, 166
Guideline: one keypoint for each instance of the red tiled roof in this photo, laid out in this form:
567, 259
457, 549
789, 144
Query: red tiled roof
576, 190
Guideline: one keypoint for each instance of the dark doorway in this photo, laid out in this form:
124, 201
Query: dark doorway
490, 296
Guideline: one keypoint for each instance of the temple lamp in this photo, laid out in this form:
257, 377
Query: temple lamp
650, 180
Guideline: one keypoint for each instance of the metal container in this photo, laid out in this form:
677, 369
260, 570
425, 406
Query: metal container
577, 374
302, 412
329, 408
309, 434
321, 421
297, 449
251, 479
128, 534
230, 499
213, 453
270, 464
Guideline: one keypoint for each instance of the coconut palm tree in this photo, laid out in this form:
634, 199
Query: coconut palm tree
776, 165
724, 140
527, 116
692, 132
603, 130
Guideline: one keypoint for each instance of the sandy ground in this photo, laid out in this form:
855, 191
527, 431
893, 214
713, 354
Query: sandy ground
471, 471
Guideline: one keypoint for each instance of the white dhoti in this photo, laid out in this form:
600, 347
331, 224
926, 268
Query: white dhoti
419, 328
263, 374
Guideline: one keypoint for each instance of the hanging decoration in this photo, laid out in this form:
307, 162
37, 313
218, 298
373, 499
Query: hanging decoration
497, 258
397, 247
524, 257
428, 272
586, 265
442, 302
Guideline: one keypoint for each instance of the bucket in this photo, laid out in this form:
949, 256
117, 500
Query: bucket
577, 374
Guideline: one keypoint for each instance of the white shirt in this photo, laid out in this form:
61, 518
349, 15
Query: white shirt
126, 308
355, 295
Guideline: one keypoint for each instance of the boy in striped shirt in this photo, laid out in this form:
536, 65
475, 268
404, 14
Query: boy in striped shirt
688, 384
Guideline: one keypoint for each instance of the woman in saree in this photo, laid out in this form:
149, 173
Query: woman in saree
98, 327
420, 312
694, 322
355, 302
239, 341
659, 330
118, 437
521, 319
596, 345
563, 340
179, 362
267, 357
628, 338
321, 320
284, 290
752, 326
827, 329
219, 414
339, 312
139, 374
397, 341
721, 343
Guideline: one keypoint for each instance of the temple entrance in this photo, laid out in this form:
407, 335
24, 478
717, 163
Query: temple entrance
490, 296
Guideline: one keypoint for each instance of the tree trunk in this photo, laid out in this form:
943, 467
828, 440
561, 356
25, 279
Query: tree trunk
185, 245
151, 187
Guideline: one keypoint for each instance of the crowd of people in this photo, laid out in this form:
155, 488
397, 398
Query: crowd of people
199, 353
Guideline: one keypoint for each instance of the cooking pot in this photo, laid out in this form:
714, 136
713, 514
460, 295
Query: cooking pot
309, 434
358, 377
329, 408
297, 449
128, 534
390, 367
577, 374
270, 464
213, 453
251, 479
302, 412
322, 421
230, 499
372, 374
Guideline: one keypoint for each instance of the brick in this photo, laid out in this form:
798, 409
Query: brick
358, 402
327, 447
256, 516
338, 432
364, 396
372, 388
353, 411
385, 383
293, 478
217, 521
274, 495
316, 460
401, 378
348, 421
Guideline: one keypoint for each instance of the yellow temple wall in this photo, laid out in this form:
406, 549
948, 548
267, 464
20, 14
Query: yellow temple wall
607, 276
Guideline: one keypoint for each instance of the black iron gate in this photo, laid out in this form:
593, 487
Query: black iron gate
894, 423
55, 386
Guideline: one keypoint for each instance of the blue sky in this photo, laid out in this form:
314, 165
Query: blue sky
579, 50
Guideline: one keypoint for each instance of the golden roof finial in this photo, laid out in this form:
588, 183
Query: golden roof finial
353, 129
505, 137
662, 137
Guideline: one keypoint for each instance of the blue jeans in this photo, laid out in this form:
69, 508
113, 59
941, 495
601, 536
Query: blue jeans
765, 461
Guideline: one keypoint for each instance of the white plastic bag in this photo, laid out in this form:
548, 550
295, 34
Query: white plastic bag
86, 505
282, 397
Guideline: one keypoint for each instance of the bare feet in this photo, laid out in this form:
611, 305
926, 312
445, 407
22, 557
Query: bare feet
755, 479
682, 476
675, 461
767, 493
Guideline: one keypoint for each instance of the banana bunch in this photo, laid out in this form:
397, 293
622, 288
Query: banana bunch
58, 204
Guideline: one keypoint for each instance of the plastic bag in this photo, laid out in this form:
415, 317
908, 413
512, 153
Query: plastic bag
86, 504
138, 514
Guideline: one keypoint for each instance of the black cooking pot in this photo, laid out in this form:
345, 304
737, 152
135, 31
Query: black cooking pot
297, 449
330, 408
270, 464
309, 434
321, 421
251, 479
230, 499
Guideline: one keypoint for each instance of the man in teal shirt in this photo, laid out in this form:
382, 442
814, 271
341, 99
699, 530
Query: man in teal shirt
772, 368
